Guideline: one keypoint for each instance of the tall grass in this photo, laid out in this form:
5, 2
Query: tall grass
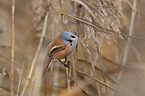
108, 60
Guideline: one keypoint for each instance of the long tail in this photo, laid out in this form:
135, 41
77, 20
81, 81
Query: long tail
47, 66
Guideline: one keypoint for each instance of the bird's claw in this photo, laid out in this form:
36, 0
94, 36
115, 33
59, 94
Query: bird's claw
67, 65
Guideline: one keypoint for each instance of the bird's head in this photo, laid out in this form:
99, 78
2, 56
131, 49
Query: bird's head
69, 38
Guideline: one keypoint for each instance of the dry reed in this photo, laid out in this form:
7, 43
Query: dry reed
101, 56
13, 48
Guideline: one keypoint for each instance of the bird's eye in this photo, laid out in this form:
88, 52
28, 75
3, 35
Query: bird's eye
73, 36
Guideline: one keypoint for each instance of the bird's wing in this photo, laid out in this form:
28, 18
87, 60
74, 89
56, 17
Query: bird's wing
56, 49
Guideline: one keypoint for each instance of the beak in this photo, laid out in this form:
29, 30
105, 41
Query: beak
73, 39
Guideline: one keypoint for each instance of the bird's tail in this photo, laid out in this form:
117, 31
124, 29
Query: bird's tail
46, 67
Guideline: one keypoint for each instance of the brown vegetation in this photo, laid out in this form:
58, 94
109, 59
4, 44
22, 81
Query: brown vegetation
108, 60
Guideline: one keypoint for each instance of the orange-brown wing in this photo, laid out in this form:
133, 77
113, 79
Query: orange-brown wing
55, 50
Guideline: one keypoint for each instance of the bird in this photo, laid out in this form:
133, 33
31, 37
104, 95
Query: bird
60, 48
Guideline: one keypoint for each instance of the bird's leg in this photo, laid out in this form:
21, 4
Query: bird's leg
68, 62
66, 65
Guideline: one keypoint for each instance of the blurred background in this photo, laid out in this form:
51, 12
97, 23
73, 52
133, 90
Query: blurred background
108, 60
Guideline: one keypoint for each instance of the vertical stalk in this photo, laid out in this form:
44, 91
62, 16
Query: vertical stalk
67, 69
60, 10
68, 81
36, 55
125, 57
129, 40
12, 49
100, 59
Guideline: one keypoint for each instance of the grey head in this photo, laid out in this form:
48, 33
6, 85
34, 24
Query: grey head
69, 39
